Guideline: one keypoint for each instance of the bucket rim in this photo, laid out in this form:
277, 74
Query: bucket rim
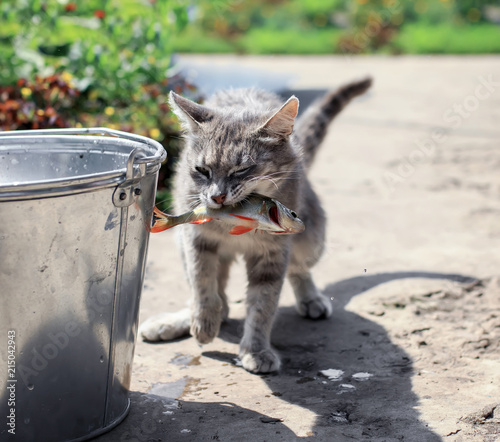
145, 154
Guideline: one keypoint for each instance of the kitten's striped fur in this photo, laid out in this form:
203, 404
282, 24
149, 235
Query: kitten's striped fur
240, 142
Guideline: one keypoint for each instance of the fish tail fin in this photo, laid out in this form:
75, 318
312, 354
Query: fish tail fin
311, 128
161, 221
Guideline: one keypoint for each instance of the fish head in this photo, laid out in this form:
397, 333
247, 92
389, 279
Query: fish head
287, 220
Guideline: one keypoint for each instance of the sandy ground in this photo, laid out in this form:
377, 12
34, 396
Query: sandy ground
410, 178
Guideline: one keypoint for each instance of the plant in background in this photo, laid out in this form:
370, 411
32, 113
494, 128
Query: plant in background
421, 26
373, 25
44, 103
263, 26
68, 63
343, 26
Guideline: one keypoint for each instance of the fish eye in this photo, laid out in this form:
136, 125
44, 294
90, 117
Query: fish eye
203, 171
293, 214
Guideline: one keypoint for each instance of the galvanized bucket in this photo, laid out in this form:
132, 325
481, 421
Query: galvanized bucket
75, 210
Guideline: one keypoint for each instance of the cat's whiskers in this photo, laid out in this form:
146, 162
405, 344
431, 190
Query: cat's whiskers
272, 177
193, 201
266, 178
243, 201
159, 203
289, 175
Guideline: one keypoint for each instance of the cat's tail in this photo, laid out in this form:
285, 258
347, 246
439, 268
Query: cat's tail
311, 128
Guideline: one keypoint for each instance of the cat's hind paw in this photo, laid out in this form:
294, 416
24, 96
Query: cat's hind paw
166, 326
315, 308
265, 361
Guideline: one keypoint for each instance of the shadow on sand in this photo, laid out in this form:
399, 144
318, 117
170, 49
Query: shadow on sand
380, 407
354, 407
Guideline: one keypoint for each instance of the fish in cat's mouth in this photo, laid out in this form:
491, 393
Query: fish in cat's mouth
287, 220
274, 215
256, 212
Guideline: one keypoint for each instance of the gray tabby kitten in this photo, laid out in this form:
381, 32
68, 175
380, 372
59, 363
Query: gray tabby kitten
241, 142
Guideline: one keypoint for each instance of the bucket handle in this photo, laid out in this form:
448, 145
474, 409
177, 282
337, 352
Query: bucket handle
128, 189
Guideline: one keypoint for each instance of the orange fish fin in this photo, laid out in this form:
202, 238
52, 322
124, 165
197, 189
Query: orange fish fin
159, 226
240, 230
201, 221
160, 221
242, 217
159, 213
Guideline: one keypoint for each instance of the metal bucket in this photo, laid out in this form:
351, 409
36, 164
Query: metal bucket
75, 206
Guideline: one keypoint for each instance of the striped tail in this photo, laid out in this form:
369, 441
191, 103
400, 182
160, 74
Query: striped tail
312, 127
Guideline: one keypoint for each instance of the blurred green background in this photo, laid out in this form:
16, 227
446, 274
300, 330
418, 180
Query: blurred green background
109, 63
340, 26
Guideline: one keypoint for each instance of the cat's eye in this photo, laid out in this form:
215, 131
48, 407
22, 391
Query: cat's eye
241, 172
203, 171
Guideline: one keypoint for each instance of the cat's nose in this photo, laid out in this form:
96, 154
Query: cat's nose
219, 199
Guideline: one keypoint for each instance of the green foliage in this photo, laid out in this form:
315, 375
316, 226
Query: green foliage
164, 200
195, 39
287, 41
354, 26
448, 39
45, 103
473, 10
93, 63
313, 8
115, 46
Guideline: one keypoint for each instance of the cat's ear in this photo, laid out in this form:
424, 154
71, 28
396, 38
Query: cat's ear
281, 123
191, 113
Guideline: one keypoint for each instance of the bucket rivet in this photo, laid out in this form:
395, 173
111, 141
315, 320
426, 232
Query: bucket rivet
137, 191
123, 196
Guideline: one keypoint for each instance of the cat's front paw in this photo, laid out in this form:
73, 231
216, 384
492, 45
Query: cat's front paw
315, 308
205, 324
166, 326
265, 361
